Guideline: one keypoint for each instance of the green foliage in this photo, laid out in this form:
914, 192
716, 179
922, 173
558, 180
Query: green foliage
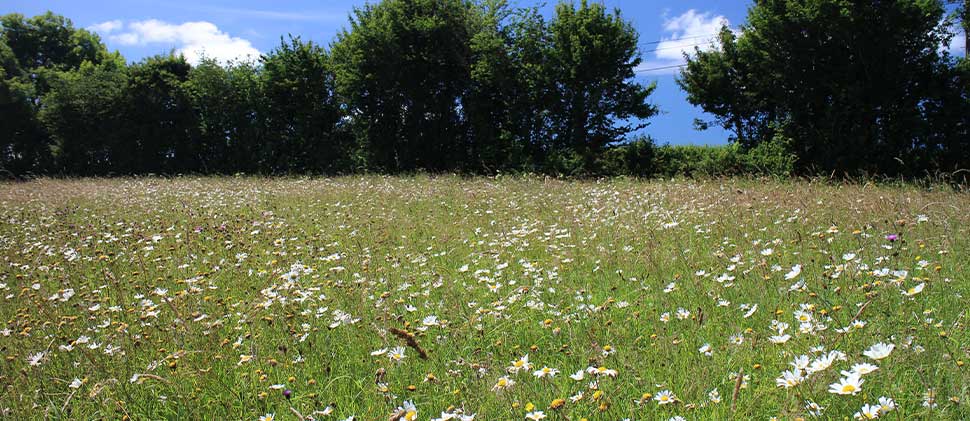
50, 41
160, 119
635, 158
847, 82
212, 290
592, 55
32, 53
304, 131
502, 90
84, 115
497, 94
773, 158
227, 101
698, 161
403, 68
436, 85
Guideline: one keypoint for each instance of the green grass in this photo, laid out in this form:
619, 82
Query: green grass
182, 277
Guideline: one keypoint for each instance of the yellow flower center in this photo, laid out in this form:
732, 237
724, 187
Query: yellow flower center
849, 388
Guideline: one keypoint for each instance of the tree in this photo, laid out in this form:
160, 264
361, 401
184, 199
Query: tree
491, 143
228, 106
23, 148
50, 41
83, 114
533, 88
846, 81
305, 129
592, 58
32, 51
403, 69
162, 130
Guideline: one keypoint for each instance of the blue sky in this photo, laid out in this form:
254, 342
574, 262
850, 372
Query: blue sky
227, 29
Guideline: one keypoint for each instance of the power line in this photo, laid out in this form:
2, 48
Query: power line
675, 66
690, 37
674, 47
679, 39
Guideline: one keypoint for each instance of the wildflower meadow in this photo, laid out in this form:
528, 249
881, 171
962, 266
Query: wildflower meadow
502, 298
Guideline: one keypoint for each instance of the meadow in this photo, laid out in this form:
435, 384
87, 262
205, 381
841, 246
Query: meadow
511, 298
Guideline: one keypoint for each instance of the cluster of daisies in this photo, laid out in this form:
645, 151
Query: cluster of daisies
366, 298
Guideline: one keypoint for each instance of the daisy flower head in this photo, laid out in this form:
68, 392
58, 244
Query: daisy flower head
409, 411
868, 412
789, 379
714, 396
814, 408
535, 416
520, 364
879, 351
864, 368
545, 372
608, 350
682, 314
886, 404
915, 290
503, 383
849, 385
34, 360
396, 354
665, 397
602, 371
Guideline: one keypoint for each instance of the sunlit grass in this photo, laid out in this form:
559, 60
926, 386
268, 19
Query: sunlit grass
233, 298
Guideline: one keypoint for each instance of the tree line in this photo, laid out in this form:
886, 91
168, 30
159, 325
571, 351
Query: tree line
482, 87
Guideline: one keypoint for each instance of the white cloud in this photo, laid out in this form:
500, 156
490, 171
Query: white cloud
106, 27
192, 39
685, 32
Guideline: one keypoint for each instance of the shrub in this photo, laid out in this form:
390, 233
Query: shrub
635, 158
772, 158
698, 161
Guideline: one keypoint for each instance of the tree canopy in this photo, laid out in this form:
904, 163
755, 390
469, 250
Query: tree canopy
855, 86
479, 86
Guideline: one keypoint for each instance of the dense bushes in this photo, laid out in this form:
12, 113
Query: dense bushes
643, 158
856, 87
826, 86
425, 85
